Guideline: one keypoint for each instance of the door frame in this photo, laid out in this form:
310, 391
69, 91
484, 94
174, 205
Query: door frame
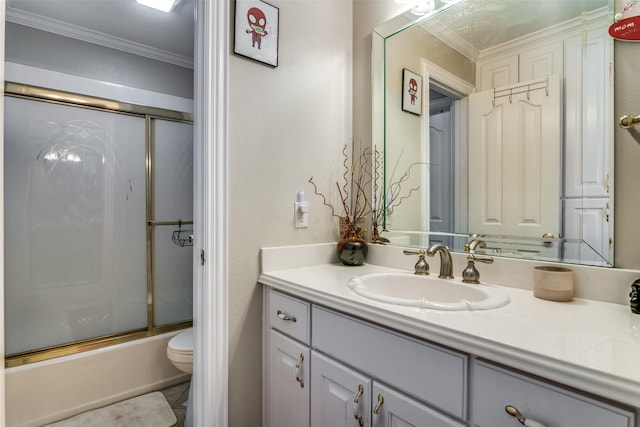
210, 385
210, 308
454, 86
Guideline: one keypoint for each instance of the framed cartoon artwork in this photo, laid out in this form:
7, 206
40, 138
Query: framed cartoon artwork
256, 31
411, 92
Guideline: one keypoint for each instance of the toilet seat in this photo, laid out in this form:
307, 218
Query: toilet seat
180, 351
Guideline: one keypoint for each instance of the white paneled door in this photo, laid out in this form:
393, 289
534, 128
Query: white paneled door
515, 159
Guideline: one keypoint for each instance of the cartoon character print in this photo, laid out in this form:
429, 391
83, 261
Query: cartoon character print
413, 90
257, 26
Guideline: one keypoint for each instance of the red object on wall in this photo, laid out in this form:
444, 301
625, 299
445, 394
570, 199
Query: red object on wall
626, 29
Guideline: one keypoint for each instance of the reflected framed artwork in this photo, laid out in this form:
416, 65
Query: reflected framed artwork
256, 31
411, 92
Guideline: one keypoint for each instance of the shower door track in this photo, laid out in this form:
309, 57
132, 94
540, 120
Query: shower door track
36, 93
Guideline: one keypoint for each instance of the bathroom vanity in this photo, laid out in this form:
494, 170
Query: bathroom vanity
333, 358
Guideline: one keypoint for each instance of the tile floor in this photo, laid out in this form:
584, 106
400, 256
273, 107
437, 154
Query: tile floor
176, 396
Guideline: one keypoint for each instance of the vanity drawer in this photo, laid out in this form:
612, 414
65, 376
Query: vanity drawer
493, 388
289, 315
432, 374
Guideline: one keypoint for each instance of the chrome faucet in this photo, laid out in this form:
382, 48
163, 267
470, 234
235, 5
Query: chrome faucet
421, 267
446, 264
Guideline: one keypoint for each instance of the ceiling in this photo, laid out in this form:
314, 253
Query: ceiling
480, 24
120, 24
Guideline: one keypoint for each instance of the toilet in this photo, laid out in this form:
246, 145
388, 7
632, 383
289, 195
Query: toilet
180, 351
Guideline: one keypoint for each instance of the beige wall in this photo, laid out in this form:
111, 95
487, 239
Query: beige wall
286, 124
289, 123
627, 157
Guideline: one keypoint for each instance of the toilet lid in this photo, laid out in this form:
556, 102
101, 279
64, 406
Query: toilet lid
183, 341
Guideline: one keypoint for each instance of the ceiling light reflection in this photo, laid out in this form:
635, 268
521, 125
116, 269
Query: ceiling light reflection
162, 5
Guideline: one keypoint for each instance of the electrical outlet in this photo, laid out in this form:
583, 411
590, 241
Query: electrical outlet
300, 214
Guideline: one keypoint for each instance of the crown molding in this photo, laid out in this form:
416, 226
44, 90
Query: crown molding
84, 34
448, 37
590, 20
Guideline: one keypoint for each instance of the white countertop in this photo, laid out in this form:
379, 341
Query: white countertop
591, 345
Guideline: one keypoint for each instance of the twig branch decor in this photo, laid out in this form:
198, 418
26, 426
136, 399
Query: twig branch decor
360, 179
389, 198
354, 201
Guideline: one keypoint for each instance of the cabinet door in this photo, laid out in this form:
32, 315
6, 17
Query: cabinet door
541, 61
339, 396
288, 386
588, 103
393, 409
587, 220
499, 72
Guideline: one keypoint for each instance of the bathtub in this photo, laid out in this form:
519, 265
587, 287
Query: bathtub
48, 391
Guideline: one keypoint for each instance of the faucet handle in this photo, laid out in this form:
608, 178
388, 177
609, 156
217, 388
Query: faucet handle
421, 267
471, 274
471, 246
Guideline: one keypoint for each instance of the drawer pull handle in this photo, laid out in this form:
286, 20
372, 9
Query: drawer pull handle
356, 405
299, 370
284, 316
376, 410
513, 411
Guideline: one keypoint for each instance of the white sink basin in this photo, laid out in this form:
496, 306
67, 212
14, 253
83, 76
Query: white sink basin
428, 292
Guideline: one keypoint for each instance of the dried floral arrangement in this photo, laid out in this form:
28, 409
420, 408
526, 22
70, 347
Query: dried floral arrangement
387, 199
355, 205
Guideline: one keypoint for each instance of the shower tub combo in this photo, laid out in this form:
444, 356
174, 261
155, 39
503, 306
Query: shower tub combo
98, 249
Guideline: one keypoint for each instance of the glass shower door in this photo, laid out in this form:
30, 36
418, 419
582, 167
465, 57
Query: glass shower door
75, 261
172, 252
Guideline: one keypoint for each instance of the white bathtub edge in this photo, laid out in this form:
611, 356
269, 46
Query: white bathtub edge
49, 391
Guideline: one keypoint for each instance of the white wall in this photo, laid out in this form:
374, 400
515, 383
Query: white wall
286, 124
36, 48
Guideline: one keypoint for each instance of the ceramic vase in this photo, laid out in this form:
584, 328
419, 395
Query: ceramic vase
352, 250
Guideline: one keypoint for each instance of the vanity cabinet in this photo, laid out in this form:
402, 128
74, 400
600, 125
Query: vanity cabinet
341, 396
432, 374
329, 369
287, 365
352, 373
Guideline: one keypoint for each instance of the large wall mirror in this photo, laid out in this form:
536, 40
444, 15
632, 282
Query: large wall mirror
495, 122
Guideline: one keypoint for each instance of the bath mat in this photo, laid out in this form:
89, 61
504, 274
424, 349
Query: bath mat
149, 410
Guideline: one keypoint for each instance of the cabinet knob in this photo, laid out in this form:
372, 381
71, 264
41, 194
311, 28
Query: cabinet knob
376, 410
356, 405
513, 411
299, 370
284, 316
